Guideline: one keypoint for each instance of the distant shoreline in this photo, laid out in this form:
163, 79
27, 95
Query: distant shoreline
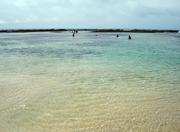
30, 30
92, 30
137, 30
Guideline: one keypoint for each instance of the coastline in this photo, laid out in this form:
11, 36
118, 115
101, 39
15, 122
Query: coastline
91, 30
137, 30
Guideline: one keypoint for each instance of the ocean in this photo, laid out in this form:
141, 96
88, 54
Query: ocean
94, 82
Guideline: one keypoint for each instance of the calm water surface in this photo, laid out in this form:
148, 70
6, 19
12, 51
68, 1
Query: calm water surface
51, 82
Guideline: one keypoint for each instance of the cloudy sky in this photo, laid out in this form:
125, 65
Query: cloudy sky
162, 14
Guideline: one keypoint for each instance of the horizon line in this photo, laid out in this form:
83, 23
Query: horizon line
89, 29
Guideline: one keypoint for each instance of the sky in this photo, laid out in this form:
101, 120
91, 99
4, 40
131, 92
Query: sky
143, 14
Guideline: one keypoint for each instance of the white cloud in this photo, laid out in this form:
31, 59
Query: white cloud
90, 13
2, 22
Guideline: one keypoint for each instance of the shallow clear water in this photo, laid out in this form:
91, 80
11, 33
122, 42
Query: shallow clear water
51, 82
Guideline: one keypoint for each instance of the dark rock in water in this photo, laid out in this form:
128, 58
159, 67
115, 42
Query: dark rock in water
117, 35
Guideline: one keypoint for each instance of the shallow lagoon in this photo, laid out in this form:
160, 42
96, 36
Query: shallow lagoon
53, 82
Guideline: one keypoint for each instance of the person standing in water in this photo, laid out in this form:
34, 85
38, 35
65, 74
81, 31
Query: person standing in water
117, 35
129, 37
73, 33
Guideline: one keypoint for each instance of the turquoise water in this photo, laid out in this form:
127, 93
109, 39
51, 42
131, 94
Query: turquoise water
52, 82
